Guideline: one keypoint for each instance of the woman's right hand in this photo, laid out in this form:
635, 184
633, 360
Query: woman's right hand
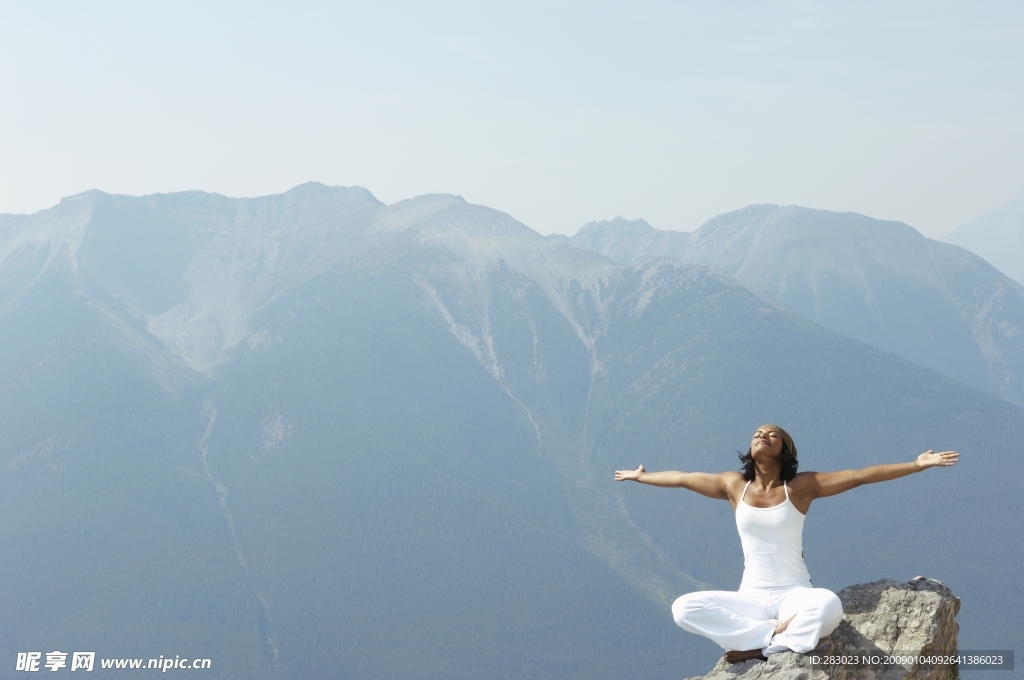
629, 475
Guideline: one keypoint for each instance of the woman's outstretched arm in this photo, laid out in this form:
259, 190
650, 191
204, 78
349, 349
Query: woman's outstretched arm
704, 483
823, 484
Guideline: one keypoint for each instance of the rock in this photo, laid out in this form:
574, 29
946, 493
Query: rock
785, 666
879, 619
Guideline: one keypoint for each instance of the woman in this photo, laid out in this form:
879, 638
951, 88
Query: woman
776, 609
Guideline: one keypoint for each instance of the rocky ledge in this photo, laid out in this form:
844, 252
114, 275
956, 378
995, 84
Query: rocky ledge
879, 619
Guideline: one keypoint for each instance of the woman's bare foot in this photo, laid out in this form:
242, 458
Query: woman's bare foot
783, 625
736, 657
731, 656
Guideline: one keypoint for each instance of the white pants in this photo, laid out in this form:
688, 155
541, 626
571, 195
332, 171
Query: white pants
742, 621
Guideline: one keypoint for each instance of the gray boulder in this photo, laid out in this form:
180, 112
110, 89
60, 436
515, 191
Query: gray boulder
880, 619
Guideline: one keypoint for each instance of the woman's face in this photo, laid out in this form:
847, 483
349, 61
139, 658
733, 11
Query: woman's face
767, 443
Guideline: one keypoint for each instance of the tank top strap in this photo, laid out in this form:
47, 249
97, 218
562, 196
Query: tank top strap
744, 491
786, 488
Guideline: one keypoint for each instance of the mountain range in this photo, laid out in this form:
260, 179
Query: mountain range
313, 435
879, 282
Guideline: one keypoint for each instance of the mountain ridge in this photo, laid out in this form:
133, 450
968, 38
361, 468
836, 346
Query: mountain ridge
997, 236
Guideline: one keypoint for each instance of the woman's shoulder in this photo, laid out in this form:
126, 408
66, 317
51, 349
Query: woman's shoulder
733, 479
734, 483
802, 479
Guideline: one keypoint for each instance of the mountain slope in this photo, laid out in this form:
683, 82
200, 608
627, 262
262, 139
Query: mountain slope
997, 236
193, 266
879, 282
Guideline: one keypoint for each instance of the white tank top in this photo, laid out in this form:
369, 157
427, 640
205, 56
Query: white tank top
773, 546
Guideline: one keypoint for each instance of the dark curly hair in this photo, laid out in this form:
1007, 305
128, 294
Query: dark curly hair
788, 460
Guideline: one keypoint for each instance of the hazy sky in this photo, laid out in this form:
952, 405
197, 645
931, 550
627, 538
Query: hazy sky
557, 113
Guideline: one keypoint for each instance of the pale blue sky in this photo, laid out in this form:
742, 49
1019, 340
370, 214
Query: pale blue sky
557, 113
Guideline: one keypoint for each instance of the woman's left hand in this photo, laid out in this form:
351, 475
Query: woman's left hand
931, 459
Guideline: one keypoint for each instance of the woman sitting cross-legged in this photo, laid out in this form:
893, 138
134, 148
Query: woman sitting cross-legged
776, 608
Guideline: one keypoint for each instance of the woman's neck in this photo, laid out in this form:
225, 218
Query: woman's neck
767, 477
